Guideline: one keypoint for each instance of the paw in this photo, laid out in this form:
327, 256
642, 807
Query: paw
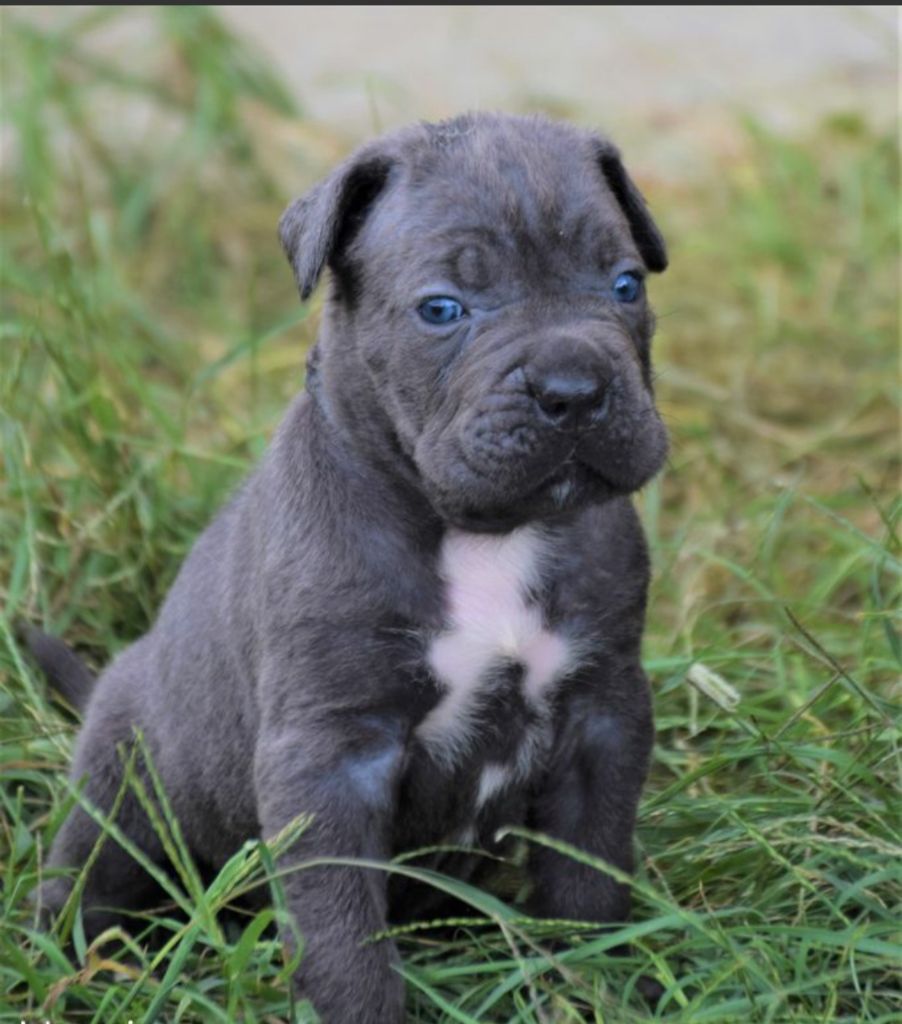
49, 899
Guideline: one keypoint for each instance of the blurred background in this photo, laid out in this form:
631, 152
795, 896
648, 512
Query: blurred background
151, 337
154, 333
670, 80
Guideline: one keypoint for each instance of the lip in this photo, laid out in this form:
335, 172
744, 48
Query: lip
573, 464
573, 469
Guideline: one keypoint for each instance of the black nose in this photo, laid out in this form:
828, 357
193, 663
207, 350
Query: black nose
568, 399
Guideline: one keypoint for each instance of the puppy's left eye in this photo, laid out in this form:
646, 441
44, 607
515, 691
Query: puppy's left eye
627, 287
440, 310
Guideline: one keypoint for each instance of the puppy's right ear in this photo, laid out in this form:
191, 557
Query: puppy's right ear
318, 226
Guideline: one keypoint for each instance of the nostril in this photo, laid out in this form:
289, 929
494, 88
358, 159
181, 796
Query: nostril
600, 409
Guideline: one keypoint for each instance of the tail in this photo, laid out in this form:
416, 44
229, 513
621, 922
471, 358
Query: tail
65, 671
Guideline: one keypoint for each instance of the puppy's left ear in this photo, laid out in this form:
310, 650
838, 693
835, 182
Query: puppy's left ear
645, 232
316, 228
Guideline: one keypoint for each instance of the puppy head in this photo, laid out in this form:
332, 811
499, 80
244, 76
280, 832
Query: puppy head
488, 312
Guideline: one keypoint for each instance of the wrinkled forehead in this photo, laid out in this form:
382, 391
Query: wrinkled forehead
488, 205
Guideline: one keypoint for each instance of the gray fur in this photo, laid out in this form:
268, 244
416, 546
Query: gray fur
286, 672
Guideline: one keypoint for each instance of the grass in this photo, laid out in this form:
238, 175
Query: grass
151, 338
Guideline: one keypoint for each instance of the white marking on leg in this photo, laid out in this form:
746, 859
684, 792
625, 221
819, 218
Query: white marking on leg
493, 779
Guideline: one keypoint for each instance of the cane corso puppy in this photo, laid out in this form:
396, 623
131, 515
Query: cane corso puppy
419, 620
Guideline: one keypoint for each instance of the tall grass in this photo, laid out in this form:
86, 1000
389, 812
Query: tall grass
150, 339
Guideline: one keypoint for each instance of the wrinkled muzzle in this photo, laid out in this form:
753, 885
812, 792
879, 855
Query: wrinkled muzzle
537, 430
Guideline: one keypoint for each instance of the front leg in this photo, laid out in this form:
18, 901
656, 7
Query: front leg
590, 794
343, 768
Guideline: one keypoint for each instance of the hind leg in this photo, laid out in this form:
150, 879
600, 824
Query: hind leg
115, 881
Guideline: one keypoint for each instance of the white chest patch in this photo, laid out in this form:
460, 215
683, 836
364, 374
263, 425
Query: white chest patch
490, 620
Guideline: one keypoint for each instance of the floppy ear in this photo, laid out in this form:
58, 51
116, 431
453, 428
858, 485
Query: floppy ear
316, 227
645, 232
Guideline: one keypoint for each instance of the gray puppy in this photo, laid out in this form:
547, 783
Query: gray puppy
419, 620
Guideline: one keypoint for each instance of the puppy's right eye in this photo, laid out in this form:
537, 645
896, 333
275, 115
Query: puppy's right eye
440, 310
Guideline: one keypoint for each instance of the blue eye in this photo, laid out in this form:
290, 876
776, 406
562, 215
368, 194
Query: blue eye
627, 287
440, 310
